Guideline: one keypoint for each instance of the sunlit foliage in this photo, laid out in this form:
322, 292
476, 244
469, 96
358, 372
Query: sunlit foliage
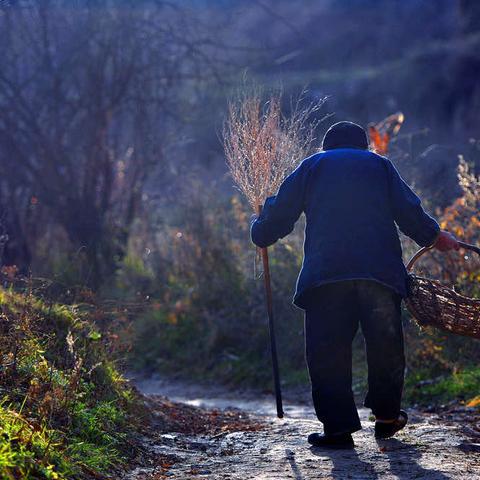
64, 408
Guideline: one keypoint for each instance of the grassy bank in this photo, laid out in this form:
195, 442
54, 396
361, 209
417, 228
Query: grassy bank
462, 386
65, 411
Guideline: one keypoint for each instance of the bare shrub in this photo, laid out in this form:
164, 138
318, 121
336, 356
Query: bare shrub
262, 145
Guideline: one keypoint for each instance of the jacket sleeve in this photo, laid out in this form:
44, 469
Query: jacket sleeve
280, 212
408, 213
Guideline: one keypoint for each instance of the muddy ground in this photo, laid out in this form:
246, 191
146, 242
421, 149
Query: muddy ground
220, 434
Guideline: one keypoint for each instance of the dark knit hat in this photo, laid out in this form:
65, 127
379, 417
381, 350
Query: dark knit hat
345, 135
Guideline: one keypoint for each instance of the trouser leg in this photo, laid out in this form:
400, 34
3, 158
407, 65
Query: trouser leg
330, 325
382, 328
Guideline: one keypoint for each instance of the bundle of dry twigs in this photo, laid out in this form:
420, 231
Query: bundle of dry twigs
263, 146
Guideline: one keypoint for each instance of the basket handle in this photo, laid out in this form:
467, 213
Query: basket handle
423, 250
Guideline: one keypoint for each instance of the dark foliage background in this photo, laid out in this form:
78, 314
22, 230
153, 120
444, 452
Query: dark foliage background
113, 175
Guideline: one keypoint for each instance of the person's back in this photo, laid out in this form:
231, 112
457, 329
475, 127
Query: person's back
352, 273
350, 230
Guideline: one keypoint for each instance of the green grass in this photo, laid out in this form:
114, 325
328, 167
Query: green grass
27, 451
65, 410
462, 386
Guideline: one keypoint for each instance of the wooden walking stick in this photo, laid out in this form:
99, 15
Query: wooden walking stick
271, 327
262, 147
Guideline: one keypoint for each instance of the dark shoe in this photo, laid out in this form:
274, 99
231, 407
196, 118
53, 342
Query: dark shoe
342, 441
387, 430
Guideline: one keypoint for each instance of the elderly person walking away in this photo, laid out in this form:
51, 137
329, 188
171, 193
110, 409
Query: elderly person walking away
352, 274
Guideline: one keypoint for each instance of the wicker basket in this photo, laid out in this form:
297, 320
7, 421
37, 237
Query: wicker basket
433, 304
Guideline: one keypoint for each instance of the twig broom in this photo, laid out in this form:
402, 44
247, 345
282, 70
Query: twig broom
262, 147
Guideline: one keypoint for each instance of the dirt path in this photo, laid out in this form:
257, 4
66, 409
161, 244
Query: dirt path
429, 448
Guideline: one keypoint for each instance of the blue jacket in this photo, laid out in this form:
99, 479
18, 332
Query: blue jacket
352, 200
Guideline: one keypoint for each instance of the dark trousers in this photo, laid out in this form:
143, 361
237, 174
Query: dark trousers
333, 314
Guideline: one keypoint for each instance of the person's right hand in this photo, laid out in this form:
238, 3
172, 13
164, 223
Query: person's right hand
446, 241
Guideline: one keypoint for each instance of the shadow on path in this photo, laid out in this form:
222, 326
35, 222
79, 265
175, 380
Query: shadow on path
403, 459
347, 464
290, 456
